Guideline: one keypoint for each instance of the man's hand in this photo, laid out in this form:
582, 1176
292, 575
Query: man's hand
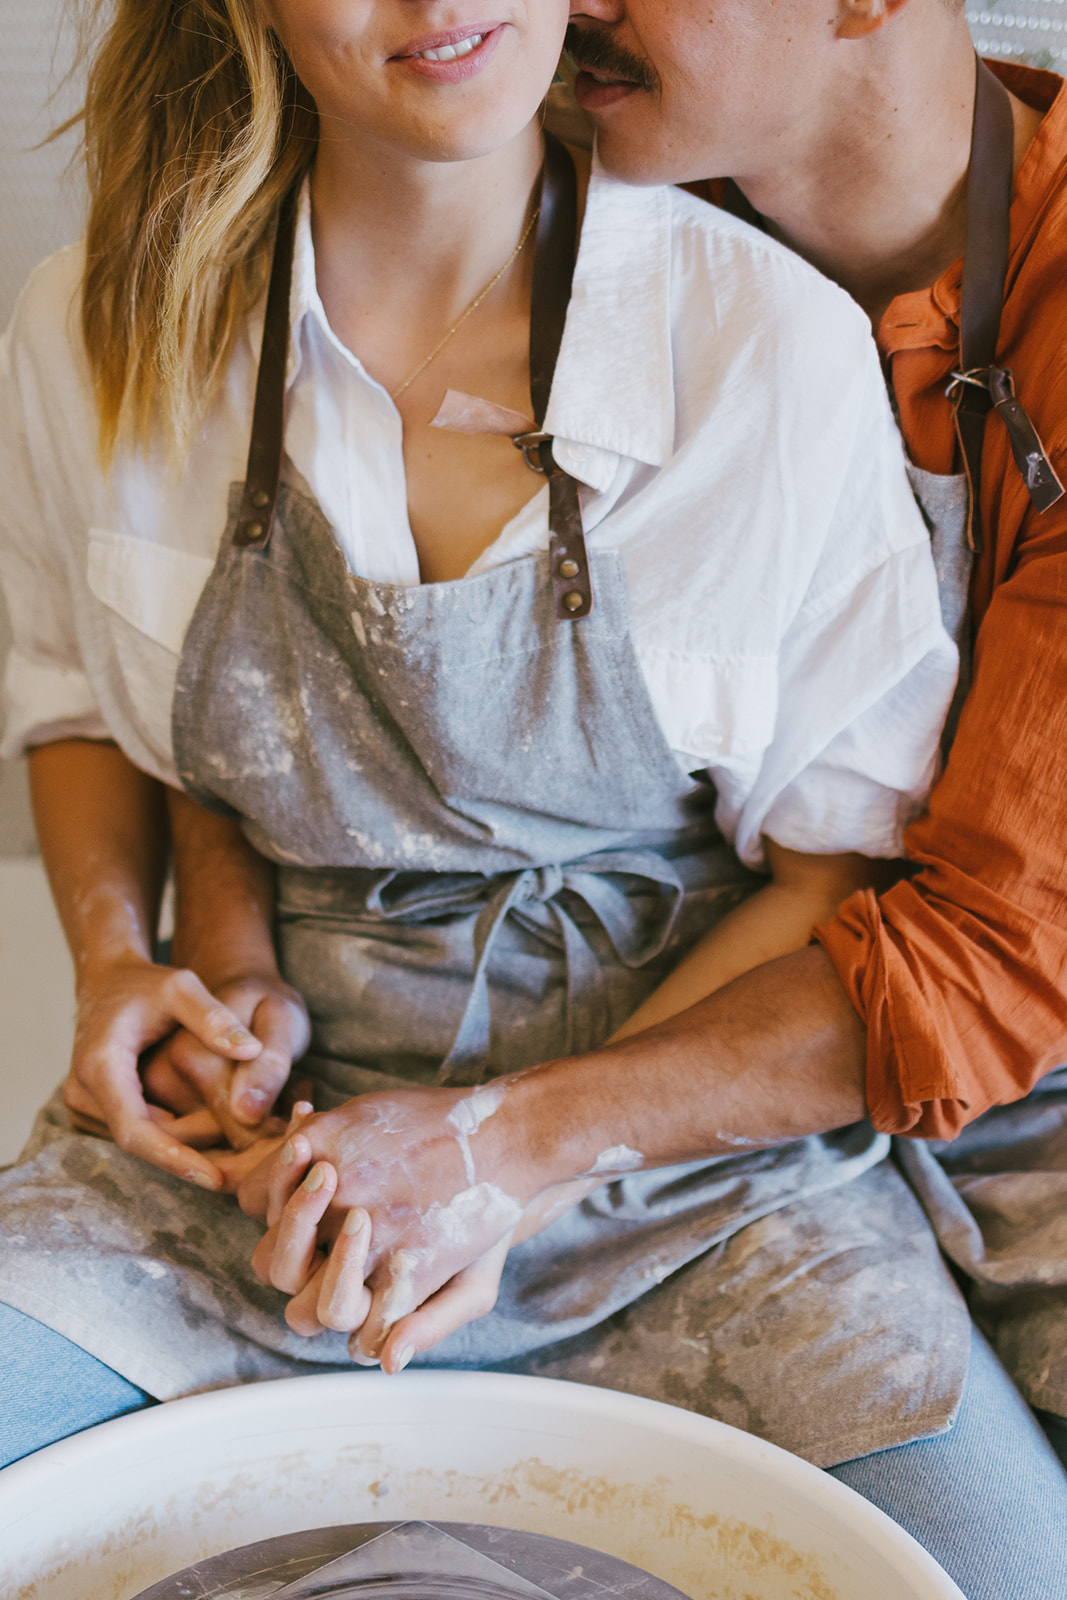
441, 1198
399, 1231
186, 1074
335, 1287
124, 1008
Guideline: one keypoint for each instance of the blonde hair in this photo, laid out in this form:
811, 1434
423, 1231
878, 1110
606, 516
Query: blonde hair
195, 127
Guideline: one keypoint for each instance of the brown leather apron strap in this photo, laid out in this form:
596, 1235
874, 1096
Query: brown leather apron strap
263, 473
554, 260
980, 386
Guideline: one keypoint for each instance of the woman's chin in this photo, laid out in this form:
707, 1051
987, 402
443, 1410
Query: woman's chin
476, 136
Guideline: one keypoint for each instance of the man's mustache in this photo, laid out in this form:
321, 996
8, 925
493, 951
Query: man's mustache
593, 47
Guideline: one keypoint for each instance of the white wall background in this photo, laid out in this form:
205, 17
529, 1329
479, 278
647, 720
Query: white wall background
40, 209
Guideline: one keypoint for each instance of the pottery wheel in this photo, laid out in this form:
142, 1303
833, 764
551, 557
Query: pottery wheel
412, 1561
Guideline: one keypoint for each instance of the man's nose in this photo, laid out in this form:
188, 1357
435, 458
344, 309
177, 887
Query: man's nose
598, 10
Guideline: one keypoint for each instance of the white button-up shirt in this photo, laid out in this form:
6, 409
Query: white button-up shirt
723, 408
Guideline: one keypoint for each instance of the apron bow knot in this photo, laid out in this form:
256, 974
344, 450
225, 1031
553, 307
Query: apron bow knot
609, 885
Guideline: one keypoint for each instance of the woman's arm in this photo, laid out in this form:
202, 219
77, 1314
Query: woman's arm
804, 891
102, 828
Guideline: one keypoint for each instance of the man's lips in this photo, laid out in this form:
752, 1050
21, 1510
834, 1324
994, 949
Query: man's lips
605, 65
607, 79
596, 91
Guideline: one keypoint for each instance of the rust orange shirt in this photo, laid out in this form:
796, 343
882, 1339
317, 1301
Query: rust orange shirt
961, 973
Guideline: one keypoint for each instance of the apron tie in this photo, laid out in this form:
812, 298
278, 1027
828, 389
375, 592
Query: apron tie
534, 897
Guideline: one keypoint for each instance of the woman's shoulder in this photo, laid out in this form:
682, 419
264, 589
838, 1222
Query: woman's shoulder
44, 334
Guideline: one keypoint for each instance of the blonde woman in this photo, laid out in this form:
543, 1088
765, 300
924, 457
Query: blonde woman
525, 567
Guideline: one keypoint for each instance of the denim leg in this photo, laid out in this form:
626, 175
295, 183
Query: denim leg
988, 1499
49, 1388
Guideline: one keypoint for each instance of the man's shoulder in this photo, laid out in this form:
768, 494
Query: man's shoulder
726, 267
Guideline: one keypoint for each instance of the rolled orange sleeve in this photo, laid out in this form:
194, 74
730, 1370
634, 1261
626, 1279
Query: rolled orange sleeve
960, 974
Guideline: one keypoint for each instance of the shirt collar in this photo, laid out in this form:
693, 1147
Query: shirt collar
929, 318
614, 383
613, 392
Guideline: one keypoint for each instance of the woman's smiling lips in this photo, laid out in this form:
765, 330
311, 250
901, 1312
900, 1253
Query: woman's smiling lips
451, 57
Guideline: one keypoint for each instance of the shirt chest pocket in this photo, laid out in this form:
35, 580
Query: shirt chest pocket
149, 593
714, 710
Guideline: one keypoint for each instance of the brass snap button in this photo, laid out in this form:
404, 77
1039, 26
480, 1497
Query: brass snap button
569, 569
573, 601
253, 531
260, 499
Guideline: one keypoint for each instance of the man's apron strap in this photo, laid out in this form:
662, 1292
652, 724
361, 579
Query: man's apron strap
980, 386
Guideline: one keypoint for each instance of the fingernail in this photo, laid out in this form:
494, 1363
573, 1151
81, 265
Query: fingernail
253, 1102
288, 1155
236, 1036
356, 1221
403, 1358
364, 1361
303, 1108
314, 1180
202, 1180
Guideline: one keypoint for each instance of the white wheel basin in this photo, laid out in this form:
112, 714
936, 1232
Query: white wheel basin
719, 1514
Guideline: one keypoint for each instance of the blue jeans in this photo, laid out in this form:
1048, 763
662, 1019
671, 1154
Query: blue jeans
988, 1499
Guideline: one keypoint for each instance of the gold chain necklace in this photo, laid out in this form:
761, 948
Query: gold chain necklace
471, 309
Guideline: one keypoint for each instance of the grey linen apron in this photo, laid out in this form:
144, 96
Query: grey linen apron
488, 856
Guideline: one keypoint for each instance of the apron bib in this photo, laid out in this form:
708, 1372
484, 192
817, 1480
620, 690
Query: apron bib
488, 856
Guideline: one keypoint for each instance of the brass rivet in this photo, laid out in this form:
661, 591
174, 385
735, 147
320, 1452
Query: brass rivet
260, 499
569, 569
573, 601
253, 531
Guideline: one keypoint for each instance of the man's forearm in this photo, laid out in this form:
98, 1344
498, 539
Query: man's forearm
224, 895
778, 1054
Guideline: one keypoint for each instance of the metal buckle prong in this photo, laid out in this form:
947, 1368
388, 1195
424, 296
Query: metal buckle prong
530, 445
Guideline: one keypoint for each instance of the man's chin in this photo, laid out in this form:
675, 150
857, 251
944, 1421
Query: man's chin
630, 159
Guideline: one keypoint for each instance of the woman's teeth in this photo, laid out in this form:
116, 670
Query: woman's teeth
452, 52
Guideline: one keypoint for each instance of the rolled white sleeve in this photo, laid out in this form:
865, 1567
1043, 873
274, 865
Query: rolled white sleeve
47, 692
866, 673
43, 703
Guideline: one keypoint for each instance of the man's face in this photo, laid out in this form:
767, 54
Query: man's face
687, 89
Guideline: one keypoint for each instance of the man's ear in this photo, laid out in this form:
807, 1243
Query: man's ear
857, 19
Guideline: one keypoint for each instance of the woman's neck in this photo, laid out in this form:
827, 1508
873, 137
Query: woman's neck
405, 245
